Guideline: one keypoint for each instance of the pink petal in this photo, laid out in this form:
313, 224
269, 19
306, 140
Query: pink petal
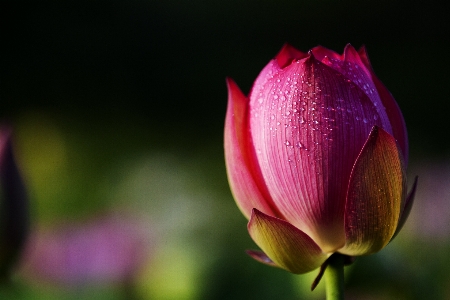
285, 245
308, 124
353, 68
392, 109
288, 54
285, 57
322, 53
245, 189
352, 56
266, 74
375, 197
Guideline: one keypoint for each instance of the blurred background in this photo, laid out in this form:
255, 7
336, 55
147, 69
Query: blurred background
118, 110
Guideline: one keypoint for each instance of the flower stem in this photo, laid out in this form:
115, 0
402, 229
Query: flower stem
334, 277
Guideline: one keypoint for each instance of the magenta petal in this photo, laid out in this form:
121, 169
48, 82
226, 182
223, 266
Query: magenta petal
352, 56
322, 53
375, 197
354, 69
243, 185
285, 245
287, 54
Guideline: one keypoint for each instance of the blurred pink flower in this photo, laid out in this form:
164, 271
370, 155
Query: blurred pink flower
99, 251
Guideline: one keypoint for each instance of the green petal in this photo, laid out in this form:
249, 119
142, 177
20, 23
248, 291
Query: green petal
285, 245
375, 196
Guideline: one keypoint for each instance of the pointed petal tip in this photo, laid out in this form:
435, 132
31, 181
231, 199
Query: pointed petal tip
261, 257
236, 97
362, 50
321, 52
288, 54
349, 47
231, 84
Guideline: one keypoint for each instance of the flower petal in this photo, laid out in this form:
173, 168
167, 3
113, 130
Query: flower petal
321, 53
375, 195
288, 247
352, 56
392, 109
407, 208
287, 54
354, 69
243, 185
261, 257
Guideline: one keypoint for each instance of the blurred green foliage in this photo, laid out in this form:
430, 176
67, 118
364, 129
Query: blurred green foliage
120, 105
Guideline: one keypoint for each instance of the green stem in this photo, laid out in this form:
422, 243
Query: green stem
334, 277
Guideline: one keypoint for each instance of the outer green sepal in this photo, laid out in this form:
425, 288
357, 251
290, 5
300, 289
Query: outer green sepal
285, 245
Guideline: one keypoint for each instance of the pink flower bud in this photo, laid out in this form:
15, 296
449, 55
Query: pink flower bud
316, 158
